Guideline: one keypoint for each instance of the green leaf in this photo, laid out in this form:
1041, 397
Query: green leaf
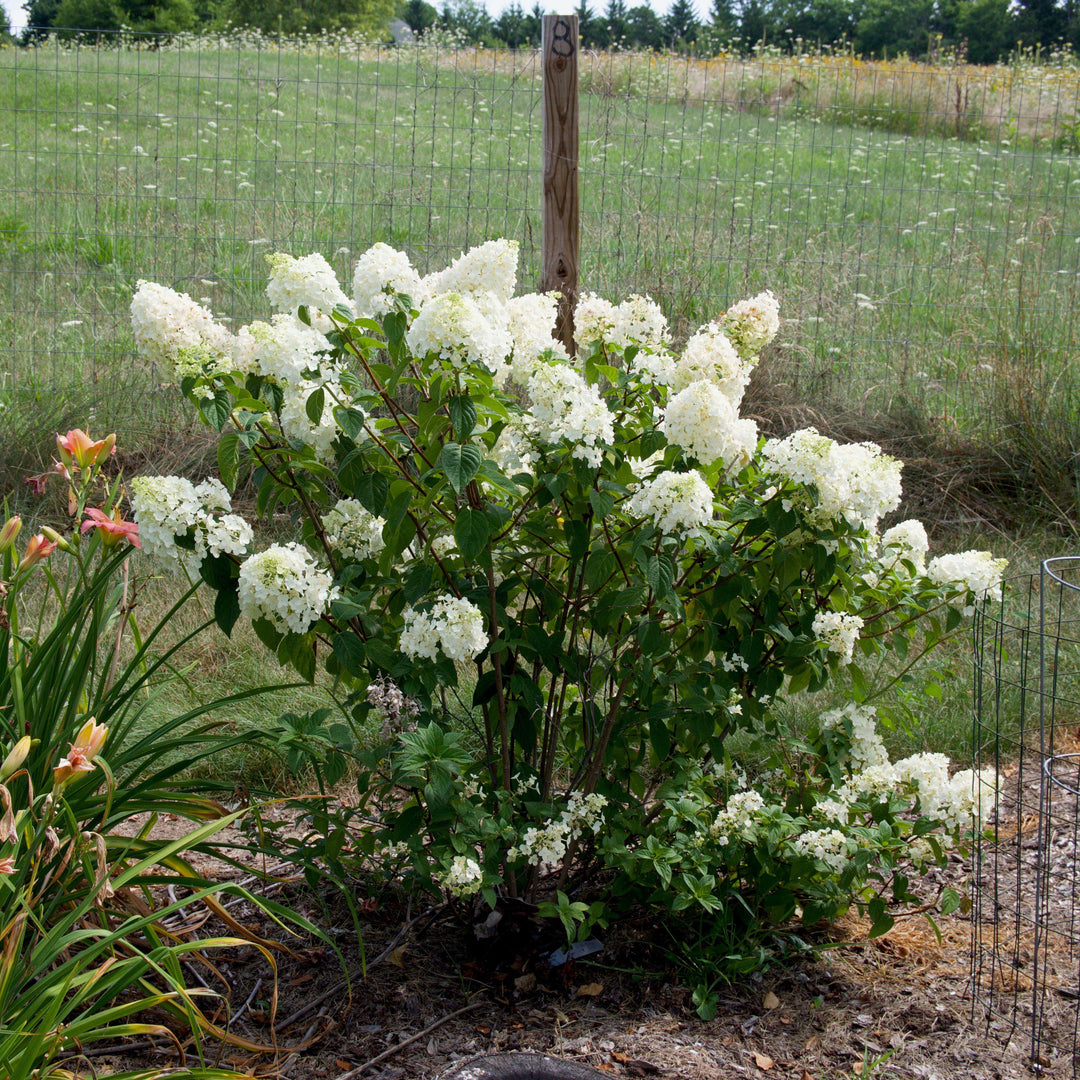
460, 463
227, 608
228, 458
217, 571
350, 420
314, 405
462, 415
603, 502
216, 410
472, 531
950, 901
349, 650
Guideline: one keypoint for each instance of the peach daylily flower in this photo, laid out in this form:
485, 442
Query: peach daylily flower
112, 529
81, 754
77, 447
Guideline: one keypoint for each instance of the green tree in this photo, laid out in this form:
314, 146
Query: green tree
470, 18
615, 21
680, 23
371, 17
1040, 22
986, 26
644, 27
513, 27
592, 31
754, 23
40, 18
891, 27
419, 15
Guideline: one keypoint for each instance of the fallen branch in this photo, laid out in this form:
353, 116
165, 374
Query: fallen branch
405, 1042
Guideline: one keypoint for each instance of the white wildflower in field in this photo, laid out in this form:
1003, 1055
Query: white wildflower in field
284, 349
381, 273
452, 326
565, 406
829, 846
488, 268
703, 421
752, 324
709, 355
309, 280
285, 586
976, 571
677, 502
353, 531
452, 624
839, 631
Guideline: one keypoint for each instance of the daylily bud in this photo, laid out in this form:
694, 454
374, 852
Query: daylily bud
14, 761
37, 550
8, 533
57, 538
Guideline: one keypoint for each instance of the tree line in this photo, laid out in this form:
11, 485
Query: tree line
980, 31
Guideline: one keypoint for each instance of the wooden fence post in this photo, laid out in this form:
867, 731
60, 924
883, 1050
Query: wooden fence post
561, 238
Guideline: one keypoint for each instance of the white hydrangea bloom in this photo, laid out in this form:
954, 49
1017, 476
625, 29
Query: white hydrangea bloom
677, 502
976, 571
929, 775
639, 321
531, 320
594, 320
381, 273
452, 624
464, 878
867, 749
286, 586
829, 846
906, 542
705, 423
547, 846
164, 507
213, 495
173, 330
487, 268
296, 424
309, 280
709, 355
513, 453
839, 631
453, 327
284, 349
855, 481
353, 531
565, 406
737, 816
752, 324
229, 534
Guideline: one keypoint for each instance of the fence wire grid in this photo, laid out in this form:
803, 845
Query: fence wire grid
921, 226
1026, 912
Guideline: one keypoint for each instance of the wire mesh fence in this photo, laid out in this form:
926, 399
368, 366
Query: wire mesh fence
919, 224
1026, 913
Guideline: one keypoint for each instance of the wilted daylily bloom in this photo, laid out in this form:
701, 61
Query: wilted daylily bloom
112, 529
83, 750
38, 549
7, 864
77, 447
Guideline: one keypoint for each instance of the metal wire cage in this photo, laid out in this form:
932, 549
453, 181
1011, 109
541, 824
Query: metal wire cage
1026, 911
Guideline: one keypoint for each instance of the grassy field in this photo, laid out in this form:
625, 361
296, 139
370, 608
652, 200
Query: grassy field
920, 225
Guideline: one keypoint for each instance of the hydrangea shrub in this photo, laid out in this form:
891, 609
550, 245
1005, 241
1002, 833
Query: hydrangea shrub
574, 577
